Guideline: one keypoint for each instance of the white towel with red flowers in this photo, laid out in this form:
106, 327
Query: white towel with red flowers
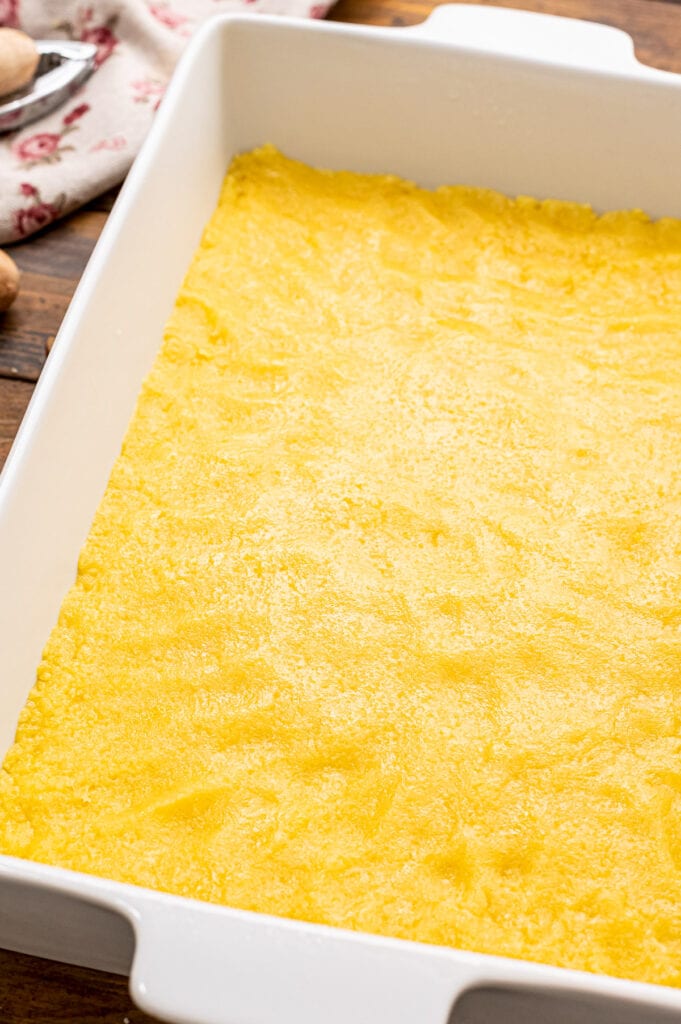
56, 164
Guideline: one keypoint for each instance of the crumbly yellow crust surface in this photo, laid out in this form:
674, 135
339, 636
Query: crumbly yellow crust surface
379, 621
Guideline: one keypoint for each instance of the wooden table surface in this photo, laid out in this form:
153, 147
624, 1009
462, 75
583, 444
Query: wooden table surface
38, 991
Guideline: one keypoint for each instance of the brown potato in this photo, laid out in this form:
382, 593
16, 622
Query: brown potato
9, 281
18, 60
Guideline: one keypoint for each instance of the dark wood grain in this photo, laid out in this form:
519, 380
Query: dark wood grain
38, 991
14, 397
50, 265
45, 992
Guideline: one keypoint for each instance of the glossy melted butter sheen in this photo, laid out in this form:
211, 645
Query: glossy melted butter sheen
378, 623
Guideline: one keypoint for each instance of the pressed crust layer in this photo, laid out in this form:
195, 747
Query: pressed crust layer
378, 623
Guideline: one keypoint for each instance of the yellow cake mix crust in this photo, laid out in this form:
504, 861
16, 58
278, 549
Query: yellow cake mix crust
378, 623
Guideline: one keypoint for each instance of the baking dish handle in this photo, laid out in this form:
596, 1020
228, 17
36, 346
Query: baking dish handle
529, 34
192, 965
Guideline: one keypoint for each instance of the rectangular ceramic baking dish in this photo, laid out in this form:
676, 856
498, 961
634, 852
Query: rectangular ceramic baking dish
520, 102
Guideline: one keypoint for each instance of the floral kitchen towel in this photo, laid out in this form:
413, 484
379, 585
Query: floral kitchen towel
54, 165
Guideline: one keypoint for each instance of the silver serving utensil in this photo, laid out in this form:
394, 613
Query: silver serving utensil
63, 66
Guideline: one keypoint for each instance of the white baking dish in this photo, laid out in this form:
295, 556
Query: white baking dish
459, 99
